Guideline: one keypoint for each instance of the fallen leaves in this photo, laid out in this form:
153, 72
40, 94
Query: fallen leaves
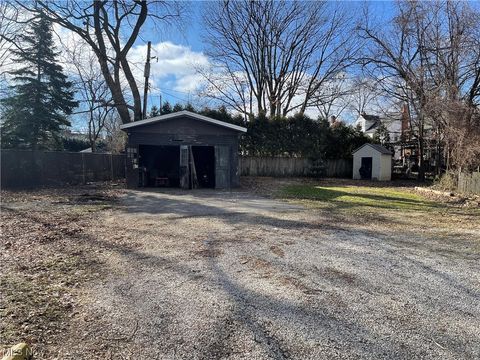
45, 257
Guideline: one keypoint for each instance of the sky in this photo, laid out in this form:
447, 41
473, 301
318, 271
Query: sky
175, 53
179, 50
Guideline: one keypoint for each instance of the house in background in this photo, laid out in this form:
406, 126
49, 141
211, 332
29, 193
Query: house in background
397, 124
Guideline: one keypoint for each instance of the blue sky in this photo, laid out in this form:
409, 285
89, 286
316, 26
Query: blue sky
188, 35
174, 86
176, 50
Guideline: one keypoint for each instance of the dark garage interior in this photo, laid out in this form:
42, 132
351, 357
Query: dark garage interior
203, 157
160, 166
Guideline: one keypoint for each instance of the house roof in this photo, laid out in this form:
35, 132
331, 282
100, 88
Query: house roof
373, 126
381, 149
370, 117
183, 113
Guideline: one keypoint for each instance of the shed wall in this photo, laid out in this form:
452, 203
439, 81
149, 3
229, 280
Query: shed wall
386, 168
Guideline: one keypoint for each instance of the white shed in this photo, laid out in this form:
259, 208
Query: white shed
372, 161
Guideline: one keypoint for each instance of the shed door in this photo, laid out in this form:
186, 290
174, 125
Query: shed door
366, 168
222, 167
184, 167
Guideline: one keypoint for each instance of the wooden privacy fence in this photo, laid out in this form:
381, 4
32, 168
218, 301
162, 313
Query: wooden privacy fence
469, 183
26, 169
282, 166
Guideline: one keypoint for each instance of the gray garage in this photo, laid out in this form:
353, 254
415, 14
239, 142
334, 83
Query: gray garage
184, 150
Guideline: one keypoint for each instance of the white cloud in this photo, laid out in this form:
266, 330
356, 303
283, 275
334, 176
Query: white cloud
172, 64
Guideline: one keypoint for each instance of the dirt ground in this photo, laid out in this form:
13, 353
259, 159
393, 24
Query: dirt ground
109, 273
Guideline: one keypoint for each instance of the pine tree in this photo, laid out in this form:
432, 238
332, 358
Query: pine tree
381, 135
189, 107
177, 107
41, 95
166, 108
154, 111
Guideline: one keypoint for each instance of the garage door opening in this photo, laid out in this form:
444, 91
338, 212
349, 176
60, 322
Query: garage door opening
159, 166
203, 166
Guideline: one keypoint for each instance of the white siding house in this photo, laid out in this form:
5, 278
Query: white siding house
370, 123
372, 161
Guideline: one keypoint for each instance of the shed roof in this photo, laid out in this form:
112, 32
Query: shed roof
183, 113
381, 149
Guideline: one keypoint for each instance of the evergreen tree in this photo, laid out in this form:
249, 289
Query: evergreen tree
154, 111
381, 135
41, 95
166, 108
189, 107
177, 107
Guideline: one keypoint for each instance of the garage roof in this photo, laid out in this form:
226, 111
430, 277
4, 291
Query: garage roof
183, 113
379, 148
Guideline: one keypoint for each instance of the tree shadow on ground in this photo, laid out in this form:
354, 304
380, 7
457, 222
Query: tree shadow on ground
359, 199
251, 308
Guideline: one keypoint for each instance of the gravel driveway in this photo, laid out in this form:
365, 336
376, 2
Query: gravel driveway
233, 275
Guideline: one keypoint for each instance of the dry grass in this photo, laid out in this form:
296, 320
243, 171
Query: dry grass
363, 205
45, 260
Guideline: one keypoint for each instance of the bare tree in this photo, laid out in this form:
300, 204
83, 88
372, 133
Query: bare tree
114, 137
363, 95
110, 28
397, 54
96, 102
276, 54
331, 98
8, 32
455, 69
429, 57
10, 26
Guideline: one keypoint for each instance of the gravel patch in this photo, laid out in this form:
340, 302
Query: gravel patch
214, 275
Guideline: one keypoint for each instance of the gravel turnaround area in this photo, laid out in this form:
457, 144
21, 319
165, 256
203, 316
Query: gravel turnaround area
213, 275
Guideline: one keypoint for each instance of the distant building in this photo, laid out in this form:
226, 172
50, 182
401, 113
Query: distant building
397, 124
74, 135
372, 162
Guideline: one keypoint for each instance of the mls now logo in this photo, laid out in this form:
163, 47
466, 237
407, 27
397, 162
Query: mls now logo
20, 351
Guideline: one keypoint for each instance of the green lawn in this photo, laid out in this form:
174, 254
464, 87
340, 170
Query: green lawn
358, 197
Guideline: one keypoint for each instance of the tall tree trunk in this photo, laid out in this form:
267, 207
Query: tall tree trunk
137, 102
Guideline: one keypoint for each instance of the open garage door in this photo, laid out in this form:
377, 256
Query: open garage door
185, 167
222, 167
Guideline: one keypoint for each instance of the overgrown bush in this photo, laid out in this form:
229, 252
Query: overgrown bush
447, 181
300, 136
294, 136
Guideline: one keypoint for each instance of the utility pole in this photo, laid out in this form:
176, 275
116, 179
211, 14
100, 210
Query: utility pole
147, 75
